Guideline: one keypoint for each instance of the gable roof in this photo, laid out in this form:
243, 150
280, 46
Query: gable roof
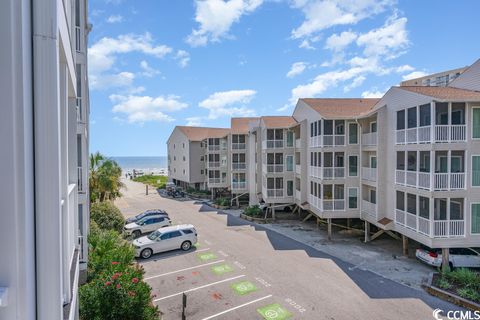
202, 133
343, 108
241, 125
279, 121
445, 93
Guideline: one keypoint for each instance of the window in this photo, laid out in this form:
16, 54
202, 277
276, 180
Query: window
458, 113
174, 158
201, 158
311, 129
476, 123
201, 172
187, 231
424, 161
183, 171
400, 160
441, 113
352, 198
411, 203
401, 120
184, 145
412, 160
475, 171
289, 160
183, 158
373, 196
400, 201
424, 207
340, 127
456, 209
289, 138
373, 126
412, 117
353, 166
476, 218
328, 127
275, 183
353, 133
289, 188
373, 162
425, 115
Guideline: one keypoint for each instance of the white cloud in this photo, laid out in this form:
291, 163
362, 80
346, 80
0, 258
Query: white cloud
413, 75
183, 58
229, 103
115, 18
404, 68
194, 121
296, 69
145, 108
338, 42
114, 80
323, 14
216, 18
372, 94
147, 70
358, 81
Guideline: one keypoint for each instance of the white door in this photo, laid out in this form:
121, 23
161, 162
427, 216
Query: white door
176, 238
165, 242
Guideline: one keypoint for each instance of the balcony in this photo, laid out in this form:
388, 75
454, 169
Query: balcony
80, 179
422, 180
213, 164
274, 168
333, 140
298, 169
369, 139
316, 172
369, 208
275, 193
213, 147
442, 134
239, 146
239, 166
333, 173
315, 141
212, 181
334, 205
272, 144
369, 174
430, 228
239, 185
315, 201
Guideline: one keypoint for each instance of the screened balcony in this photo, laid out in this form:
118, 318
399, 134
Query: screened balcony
334, 165
333, 133
274, 163
238, 142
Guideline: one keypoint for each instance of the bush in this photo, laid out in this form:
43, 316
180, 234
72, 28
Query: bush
107, 216
158, 182
119, 293
469, 293
464, 282
253, 211
224, 202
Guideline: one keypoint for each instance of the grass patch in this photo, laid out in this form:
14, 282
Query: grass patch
158, 182
463, 282
254, 211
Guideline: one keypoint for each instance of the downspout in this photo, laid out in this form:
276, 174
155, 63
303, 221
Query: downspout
360, 158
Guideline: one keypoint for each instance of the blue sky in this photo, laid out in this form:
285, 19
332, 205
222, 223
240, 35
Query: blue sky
155, 64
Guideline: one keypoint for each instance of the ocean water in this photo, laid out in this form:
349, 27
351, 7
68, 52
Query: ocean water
153, 164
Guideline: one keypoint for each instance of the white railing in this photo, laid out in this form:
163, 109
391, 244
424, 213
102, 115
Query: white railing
333, 140
449, 228
412, 135
214, 147
213, 180
340, 140
275, 193
239, 185
315, 141
410, 221
369, 139
298, 169
411, 178
298, 143
316, 172
400, 177
238, 146
80, 179
424, 180
328, 140
400, 138
339, 173
457, 180
424, 134
274, 144
400, 217
315, 201
369, 208
275, 168
333, 173
239, 166
369, 174
334, 205
211, 164
424, 226
450, 133
449, 181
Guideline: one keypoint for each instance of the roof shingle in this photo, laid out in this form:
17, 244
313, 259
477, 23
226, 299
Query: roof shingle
279, 121
202, 133
241, 125
341, 108
445, 93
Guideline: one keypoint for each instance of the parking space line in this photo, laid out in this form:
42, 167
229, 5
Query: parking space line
237, 307
206, 249
190, 268
198, 288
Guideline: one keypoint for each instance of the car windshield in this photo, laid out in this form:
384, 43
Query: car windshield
154, 235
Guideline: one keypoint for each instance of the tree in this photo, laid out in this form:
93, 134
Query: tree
105, 178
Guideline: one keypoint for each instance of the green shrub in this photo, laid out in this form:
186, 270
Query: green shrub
443, 283
119, 293
157, 181
105, 247
253, 211
224, 202
465, 278
107, 216
469, 293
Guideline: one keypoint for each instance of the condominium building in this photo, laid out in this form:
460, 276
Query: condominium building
44, 128
440, 79
408, 162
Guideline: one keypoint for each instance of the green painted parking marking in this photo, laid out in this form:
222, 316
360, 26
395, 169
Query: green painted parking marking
197, 245
243, 287
207, 256
221, 269
274, 311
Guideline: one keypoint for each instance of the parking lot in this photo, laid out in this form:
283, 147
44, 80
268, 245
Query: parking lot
242, 271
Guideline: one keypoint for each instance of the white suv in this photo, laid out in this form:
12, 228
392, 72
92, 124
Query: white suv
165, 239
146, 225
458, 257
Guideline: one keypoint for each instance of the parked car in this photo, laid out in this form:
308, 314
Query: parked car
458, 257
165, 239
278, 207
147, 213
146, 225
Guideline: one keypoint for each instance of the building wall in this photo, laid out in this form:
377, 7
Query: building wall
470, 79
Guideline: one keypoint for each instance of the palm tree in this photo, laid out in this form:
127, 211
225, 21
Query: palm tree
105, 182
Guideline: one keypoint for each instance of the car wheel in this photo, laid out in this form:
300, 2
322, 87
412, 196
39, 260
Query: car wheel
146, 253
186, 245
136, 233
